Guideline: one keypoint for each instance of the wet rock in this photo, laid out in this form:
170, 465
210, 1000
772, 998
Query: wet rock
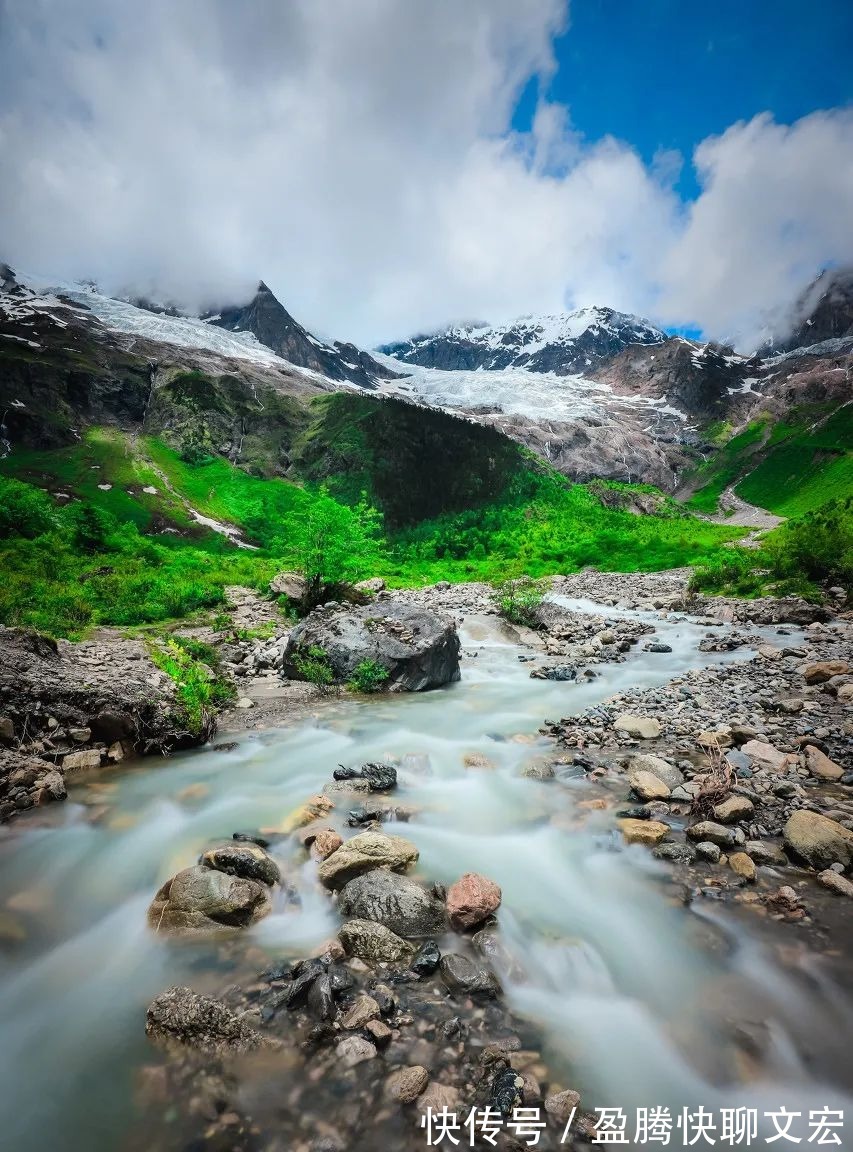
204, 900
647, 785
506, 1091
81, 761
817, 840
426, 959
464, 978
362, 1009
374, 943
180, 1016
406, 1084
764, 853
562, 673
321, 1000
561, 1105
743, 866
363, 853
248, 861
643, 831
325, 842
824, 670
836, 883
716, 834
378, 777
538, 770
733, 809
471, 901
658, 646
643, 727
400, 904
304, 975
708, 852
416, 647
492, 948
355, 1050
820, 765
677, 853
657, 766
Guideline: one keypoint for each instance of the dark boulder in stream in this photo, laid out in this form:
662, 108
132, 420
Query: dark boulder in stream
205, 900
395, 901
417, 648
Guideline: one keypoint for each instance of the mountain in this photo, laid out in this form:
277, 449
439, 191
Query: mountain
823, 312
566, 344
273, 326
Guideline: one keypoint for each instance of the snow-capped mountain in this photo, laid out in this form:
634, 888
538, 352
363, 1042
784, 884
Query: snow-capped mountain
568, 343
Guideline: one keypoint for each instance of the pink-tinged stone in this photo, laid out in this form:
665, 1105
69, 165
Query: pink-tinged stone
471, 900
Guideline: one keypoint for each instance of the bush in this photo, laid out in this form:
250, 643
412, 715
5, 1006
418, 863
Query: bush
24, 510
368, 677
313, 665
519, 600
199, 689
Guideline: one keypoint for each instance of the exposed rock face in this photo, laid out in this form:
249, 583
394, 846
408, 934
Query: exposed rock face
395, 901
817, 840
273, 326
823, 312
362, 854
204, 900
418, 648
180, 1016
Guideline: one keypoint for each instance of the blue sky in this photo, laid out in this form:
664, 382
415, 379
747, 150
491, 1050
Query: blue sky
665, 74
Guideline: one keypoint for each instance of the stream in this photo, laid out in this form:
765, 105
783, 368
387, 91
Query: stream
638, 1000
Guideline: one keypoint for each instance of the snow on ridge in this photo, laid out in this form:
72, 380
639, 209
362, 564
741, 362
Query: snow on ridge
534, 332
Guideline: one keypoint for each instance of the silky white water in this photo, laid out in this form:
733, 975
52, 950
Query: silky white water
637, 997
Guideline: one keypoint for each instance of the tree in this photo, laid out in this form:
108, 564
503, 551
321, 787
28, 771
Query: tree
336, 544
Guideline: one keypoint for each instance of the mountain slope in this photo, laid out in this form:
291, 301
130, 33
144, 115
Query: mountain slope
823, 312
565, 344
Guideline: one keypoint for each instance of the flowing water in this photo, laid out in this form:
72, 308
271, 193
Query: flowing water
640, 1001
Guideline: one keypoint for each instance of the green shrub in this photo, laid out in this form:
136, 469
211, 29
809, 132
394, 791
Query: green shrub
199, 690
24, 510
313, 665
519, 600
367, 677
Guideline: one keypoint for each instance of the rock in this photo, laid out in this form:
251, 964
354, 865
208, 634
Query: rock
400, 904
80, 735
378, 777
716, 834
817, 840
668, 773
820, 765
374, 943
644, 727
406, 1084
437, 1097
427, 958
363, 853
317, 808
562, 673
245, 702
647, 785
734, 809
325, 842
561, 1105
464, 978
478, 760
658, 646
180, 1016
80, 761
289, 584
766, 756
677, 853
362, 1009
840, 885
203, 900
471, 901
824, 670
373, 585
764, 853
743, 865
538, 770
719, 738
417, 648
7, 729
643, 831
354, 1050
321, 999
709, 852
506, 1093
845, 692
246, 860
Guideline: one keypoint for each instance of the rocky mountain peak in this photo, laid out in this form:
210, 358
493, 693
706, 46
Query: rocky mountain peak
823, 312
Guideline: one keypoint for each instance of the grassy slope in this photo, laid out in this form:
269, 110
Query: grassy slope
538, 523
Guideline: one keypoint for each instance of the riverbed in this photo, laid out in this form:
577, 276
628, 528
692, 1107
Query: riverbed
638, 999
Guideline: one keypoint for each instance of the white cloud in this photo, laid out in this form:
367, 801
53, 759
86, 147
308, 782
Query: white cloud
356, 154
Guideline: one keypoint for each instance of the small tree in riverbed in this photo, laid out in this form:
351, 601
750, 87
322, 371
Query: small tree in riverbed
336, 544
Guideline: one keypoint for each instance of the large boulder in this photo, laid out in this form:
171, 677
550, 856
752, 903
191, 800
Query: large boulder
817, 840
202, 899
363, 853
668, 773
395, 901
374, 943
417, 648
180, 1017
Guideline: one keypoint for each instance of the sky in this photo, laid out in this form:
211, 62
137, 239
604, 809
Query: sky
389, 166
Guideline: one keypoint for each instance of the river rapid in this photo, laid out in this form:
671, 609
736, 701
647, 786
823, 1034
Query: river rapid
637, 999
